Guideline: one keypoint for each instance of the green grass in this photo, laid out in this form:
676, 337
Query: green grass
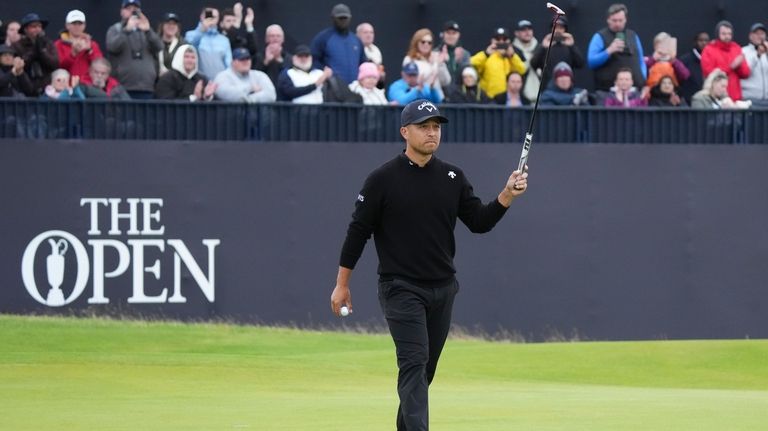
93, 374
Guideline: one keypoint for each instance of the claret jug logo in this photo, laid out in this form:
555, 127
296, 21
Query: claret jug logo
64, 253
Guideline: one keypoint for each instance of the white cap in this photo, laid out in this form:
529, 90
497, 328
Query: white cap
75, 16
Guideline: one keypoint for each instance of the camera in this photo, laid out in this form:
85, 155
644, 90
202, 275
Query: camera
136, 13
208, 13
559, 38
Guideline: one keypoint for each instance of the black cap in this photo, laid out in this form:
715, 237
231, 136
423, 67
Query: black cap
500, 32
170, 16
561, 20
30, 18
523, 24
341, 11
5, 49
451, 25
420, 111
136, 3
302, 50
757, 26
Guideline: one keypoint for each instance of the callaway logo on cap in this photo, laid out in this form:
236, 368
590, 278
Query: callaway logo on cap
420, 111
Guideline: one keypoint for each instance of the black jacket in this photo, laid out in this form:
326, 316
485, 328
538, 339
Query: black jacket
464, 94
411, 211
40, 60
15, 86
174, 85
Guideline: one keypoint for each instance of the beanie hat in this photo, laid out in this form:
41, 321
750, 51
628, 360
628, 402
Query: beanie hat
469, 70
722, 23
367, 70
562, 69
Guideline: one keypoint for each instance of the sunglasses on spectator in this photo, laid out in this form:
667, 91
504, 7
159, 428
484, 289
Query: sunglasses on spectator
426, 42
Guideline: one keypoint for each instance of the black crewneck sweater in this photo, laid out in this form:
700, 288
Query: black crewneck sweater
411, 212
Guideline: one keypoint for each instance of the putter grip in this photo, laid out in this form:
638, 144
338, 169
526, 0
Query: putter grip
524, 153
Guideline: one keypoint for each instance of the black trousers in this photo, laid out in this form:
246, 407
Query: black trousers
419, 319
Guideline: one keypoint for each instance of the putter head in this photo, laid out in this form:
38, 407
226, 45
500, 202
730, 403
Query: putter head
555, 9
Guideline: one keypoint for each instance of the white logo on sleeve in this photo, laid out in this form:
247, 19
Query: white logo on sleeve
452, 174
361, 198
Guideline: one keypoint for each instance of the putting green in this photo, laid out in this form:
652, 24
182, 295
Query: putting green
95, 374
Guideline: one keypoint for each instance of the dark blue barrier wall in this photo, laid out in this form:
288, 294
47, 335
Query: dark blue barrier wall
357, 123
611, 242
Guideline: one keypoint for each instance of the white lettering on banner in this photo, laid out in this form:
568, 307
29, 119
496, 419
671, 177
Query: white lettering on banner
131, 253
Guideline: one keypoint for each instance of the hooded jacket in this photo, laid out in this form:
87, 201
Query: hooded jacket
720, 55
177, 83
76, 64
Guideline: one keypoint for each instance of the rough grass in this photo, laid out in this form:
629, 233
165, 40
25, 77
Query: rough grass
88, 374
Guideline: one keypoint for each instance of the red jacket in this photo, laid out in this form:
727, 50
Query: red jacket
720, 55
76, 65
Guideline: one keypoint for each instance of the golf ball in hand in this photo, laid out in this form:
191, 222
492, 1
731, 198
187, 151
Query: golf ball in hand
344, 311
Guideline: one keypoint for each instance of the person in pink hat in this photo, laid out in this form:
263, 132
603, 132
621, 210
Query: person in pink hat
367, 77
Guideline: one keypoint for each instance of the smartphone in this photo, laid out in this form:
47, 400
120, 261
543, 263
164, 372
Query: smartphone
208, 13
502, 45
136, 13
621, 36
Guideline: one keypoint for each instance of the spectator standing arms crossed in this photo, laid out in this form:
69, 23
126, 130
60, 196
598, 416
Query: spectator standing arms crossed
616, 47
337, 47
133, 46
410, 205
213, 49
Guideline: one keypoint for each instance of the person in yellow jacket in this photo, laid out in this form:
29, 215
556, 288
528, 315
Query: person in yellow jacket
496, 62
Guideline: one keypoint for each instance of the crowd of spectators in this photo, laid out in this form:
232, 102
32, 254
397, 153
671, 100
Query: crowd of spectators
221, 58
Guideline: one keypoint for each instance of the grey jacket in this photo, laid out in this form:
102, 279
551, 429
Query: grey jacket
234, 87
134, 57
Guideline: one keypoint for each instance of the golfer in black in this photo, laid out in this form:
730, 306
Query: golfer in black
410, 205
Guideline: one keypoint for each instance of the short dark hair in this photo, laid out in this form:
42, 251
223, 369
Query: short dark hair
228, 11
625, 69
616, 8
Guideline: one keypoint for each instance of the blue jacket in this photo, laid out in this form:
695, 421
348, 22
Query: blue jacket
554, 96
401, 93
213, 50
342, 52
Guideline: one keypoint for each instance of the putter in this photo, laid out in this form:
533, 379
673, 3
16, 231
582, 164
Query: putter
529, 134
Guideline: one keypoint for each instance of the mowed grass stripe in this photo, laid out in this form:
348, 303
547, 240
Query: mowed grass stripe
74, 374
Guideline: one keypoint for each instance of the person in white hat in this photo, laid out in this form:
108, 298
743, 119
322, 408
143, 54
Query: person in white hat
75, 47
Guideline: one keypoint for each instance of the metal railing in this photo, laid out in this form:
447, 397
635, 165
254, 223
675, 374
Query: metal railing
169, 120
